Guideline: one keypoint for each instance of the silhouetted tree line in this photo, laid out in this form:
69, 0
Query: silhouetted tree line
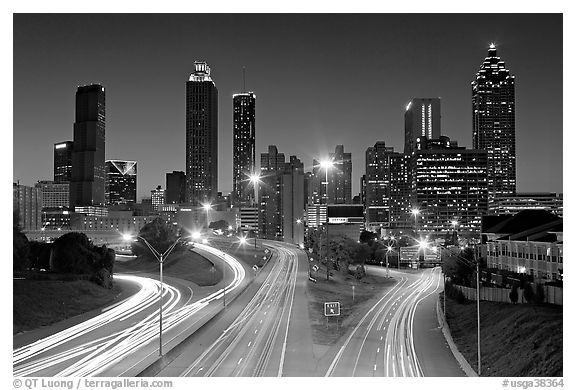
70, 254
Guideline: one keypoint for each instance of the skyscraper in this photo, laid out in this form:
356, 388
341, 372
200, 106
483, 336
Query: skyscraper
421, 120
27, 204
63, 161
340, 177
158, 197
271, 166
88, 167
201, 136
244, 146
176, 187
377, 182
121, 178
493, 124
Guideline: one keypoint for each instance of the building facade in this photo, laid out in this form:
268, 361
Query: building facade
549, 201
158, 197
449, 183
340, 177
243, 147
175, 187
121, 179
377, 185
63, 161
55, 195
88, 166
400, 190
270, 220
27, 205
422, 120
201, 136
494, 124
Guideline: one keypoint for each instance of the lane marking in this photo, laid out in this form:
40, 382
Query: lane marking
240, 360
250, 343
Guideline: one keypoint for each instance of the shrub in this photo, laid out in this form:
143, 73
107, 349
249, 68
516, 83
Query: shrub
528, 293
514, 295
21, 251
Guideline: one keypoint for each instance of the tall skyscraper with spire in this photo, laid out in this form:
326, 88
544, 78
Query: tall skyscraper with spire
422, 120
243, 147
494, 124
88, 166
201, 136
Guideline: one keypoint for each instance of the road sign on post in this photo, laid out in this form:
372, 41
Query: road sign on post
331, 309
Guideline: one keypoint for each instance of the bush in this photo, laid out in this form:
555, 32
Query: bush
514, 295
528, 293
73, 253
540, 294
21, 251
40, 255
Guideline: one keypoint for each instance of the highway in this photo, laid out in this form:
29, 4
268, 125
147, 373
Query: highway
259, 334
125, 334
394, 337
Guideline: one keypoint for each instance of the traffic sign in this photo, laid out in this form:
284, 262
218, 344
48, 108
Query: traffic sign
315, 268
255, 268
331, 309
266, 251
409, 253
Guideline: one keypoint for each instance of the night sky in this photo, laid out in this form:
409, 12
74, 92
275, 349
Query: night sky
320, 80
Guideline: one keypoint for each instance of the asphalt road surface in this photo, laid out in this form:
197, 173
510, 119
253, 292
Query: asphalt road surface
399, 335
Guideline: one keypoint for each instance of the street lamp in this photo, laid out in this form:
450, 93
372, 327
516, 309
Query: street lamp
327, 164
207, 207
160, 257
455, 232
415, 212
255, 179
388, 249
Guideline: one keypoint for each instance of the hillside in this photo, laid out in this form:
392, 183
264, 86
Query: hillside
516, 340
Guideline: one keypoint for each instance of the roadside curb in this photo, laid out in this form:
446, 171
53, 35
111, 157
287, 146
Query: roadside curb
466, 367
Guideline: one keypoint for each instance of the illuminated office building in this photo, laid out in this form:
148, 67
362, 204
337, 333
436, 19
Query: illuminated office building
88, 166
176, 187
63, 161
120, 181
449, 183
243, 147
422, 120
493, 124
201, 136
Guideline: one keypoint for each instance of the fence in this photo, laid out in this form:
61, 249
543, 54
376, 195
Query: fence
552, 294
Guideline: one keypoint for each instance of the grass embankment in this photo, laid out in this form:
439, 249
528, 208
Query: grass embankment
43, 302
339, 289
521, 340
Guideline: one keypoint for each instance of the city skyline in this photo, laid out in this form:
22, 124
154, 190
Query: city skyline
299, 111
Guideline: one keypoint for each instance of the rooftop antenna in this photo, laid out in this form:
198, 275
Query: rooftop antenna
244, 79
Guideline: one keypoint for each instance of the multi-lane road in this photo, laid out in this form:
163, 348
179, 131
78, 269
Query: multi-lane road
125, 335
260, 339
383, 343
264, 331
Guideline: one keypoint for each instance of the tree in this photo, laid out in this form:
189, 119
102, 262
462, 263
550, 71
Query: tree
74, 253
540, 296
368, 237
514, 294
40, 255
21, 250
528, 293
219, 225
20, 245
158, 234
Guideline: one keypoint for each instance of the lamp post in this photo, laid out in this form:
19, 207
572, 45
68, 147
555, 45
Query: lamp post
160, 257
454, 231
255, 179
415, 212
388, 249
207, 207
326, 164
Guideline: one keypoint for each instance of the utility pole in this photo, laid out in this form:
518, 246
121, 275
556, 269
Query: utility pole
478, 310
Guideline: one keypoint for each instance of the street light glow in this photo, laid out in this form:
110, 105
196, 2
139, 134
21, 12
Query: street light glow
326, 164
196, 235
389, 248
242, 240
423, 244
127, 237
254, 178
207, 206
454, 223
415, 212
298, 221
